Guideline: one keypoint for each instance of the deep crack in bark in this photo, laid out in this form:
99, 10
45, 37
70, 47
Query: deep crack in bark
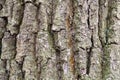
52, 40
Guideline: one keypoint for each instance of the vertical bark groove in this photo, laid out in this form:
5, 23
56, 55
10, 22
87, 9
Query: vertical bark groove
52, 36
89, 51
105, 24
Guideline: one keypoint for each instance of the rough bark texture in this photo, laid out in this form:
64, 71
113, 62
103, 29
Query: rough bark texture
59, 39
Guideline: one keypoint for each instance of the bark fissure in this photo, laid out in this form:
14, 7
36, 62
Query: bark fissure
1, 6
39, 67
89, 54
5, 22
3, 64
52, 37
89, 51
88, 13
108, 32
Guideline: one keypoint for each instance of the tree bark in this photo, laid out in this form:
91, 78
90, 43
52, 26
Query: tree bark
59, 39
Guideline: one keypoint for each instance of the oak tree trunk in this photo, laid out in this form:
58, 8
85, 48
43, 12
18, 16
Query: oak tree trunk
59, 39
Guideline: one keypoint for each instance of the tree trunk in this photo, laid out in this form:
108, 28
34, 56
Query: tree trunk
59, 39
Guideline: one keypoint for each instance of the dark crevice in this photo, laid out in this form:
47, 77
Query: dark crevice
57, 50
32, 2
78, 77
7, 72
89, 54
88, 12
21, 20
59, 64
1, 6
18, 26
5, 19
110, 43
62, 29
89, 50
6, 22
21, 67
23, 75
52, 38
15, 47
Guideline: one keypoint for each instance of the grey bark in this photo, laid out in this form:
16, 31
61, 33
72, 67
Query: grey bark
59, 39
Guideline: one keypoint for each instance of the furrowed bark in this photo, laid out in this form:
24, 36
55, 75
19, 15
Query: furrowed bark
59, 39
